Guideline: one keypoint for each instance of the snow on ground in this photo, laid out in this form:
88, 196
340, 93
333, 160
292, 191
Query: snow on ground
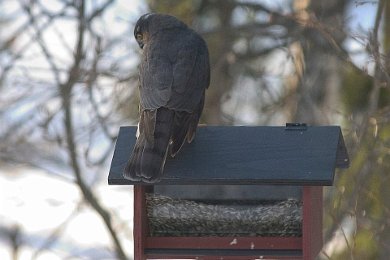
53, 220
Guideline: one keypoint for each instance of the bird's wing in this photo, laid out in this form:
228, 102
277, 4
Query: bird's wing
156, 79
191, 76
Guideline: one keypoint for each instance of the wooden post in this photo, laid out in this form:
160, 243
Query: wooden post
140, 222
312, 222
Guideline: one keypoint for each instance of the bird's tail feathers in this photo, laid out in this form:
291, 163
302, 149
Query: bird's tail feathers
149, 155
181, 125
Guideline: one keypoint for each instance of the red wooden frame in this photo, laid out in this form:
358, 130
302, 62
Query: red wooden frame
291, 243
140, 229
312, 222
309, 244
224, 257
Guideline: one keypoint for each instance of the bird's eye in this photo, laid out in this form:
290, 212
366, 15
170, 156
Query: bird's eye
139, 36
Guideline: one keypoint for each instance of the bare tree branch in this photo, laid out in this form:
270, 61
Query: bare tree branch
66, 90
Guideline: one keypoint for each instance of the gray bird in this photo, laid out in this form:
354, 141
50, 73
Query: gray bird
174, 74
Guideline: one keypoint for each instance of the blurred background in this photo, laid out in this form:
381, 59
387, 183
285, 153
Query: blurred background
68, 80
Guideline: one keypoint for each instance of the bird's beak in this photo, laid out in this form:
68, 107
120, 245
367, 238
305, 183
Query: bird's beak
141, 45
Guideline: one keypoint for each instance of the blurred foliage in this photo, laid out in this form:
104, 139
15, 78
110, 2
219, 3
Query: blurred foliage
362, 193
185, 10
356, 89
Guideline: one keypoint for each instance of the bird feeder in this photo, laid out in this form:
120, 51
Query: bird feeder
236, 193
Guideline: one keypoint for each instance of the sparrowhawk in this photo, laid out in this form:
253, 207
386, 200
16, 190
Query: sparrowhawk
174, 74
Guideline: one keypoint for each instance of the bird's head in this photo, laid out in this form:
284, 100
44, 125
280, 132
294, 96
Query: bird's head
151, 23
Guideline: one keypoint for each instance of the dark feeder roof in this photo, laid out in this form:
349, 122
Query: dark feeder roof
220, 155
